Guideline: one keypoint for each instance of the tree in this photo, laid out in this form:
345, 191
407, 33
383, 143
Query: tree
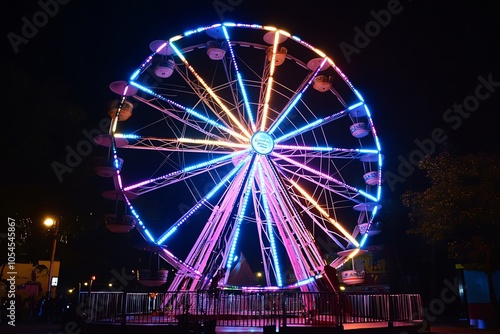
460, 207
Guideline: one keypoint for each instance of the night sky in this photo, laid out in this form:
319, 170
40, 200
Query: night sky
419, 67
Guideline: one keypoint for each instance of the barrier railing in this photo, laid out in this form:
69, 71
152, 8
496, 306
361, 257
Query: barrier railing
237, 308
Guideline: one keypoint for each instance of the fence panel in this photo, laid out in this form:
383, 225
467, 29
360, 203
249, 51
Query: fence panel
255, 309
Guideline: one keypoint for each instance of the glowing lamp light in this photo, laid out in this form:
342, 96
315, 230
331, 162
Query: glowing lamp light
49, 222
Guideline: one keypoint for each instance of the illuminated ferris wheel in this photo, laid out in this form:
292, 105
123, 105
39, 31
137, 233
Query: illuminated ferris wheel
238, 142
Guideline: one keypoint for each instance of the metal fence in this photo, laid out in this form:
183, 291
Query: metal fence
259, 309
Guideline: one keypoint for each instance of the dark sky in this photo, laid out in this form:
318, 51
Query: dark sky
58, 59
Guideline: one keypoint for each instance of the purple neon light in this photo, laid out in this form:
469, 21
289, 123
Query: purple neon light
314, 171
205, 199
187, 169
188, 110
283, 116
241, 212
269, 224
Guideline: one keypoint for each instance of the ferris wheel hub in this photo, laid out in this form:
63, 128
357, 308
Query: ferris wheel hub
262, 143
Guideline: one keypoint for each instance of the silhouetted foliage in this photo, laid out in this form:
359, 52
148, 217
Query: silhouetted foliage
460, 206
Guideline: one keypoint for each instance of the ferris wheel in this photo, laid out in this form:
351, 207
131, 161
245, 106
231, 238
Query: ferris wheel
238, 144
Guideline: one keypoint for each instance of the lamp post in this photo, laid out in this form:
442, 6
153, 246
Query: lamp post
92, 279
50, 222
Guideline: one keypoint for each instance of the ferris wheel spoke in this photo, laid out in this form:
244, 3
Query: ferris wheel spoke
327, 152
340, 240
214, 96
216, 225
178, 264
201, 202
325, 214
204, 99
295, 99
240, 215
310, 126
302, 168
239, 78
187, 117
340, 191
197, 87
318, 218
269, 82
182, 174
301, 248
193, 113
186, 145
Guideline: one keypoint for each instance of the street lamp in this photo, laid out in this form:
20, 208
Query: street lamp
50, 222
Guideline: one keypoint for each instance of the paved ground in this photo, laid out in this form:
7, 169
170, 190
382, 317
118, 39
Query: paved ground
453, 328
41, 328
31, 329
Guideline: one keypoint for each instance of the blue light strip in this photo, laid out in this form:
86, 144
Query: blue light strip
144, 232
188, 110
379, 192
207, 197
371, 197
377, 142
363, 240
269, 225
241, 215
188, 169
366, 150
358, 95
303, 148
314, 124
240, 81
299, 130
127, 136
284, 114
354, 106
